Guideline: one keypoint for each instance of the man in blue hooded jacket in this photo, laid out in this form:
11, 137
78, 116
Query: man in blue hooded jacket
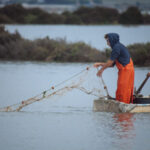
121, 58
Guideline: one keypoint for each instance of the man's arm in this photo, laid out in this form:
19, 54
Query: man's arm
96, 65
109, 63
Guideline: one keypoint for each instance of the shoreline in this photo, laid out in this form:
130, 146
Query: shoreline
13, 47
82, 16
36, 61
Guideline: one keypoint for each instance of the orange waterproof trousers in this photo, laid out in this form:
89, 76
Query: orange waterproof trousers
125, 82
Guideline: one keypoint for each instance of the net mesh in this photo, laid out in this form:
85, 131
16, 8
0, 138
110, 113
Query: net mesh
85, 81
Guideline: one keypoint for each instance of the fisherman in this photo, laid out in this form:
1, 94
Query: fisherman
121, 58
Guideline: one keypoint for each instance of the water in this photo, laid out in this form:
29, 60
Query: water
78, 130
92, 35
65, 122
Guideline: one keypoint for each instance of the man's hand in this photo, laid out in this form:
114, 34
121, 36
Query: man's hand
148, 74
109, 63
99, 73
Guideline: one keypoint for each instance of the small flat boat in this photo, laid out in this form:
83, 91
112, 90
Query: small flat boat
139, 105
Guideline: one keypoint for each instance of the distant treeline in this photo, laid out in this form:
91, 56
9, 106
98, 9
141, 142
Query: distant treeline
52, 1
70, 1
14, 47
16, 14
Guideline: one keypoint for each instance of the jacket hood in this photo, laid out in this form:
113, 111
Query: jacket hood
113, 38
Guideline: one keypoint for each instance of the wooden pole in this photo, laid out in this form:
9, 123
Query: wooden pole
141, 86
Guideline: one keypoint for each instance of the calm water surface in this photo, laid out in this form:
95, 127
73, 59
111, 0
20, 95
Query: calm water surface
93, 35
65, 122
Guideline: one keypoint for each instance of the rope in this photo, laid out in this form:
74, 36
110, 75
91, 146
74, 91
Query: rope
43, 94
53, 87
105, 87
71, 77
87, 92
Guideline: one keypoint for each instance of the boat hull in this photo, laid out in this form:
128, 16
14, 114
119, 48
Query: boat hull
103, 105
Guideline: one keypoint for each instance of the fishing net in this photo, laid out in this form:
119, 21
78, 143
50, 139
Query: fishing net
85, 81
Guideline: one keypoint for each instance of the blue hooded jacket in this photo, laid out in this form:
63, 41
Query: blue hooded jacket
119, 51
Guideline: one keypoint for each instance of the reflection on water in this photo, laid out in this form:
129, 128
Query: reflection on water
125, 122
115, 131
124, 130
